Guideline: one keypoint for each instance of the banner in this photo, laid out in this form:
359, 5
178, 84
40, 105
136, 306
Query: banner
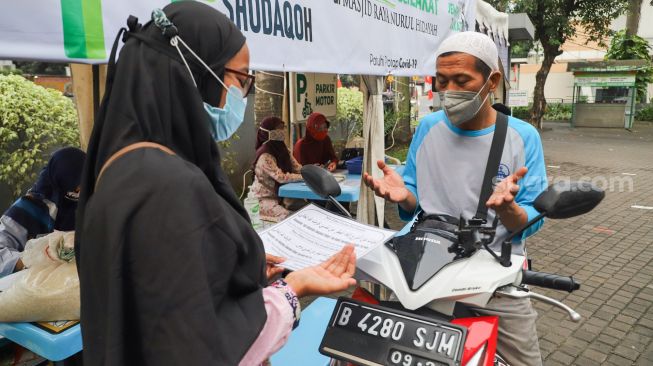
605, 80
372, 37
311, 92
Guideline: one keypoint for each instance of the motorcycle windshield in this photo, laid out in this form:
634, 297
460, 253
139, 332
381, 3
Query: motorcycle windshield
422, 254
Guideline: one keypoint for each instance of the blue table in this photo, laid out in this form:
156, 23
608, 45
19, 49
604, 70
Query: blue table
350, 188
53, 347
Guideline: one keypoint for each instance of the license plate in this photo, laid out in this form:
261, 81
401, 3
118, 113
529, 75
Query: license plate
374, 335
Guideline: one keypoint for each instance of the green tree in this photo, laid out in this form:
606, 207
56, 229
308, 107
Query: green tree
33, 121
269, 95
633, 15
349, 81
633, 47
10, 72
557, 20
41, 68
350, 110
519, 49
402, 131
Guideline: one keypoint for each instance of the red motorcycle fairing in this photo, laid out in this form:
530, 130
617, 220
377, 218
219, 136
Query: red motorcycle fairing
363, 295
481, 331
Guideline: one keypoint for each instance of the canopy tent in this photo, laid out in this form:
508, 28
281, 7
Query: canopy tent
284, 35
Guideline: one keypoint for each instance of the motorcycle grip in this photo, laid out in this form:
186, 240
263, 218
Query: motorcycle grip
549, 280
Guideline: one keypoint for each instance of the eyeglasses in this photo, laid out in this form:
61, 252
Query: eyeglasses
245, 84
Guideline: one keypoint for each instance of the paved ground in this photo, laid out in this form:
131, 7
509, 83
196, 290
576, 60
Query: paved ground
610, 250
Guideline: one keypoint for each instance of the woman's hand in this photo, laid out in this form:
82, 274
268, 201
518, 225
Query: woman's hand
19, 266
332, 166
271, 268
331, 276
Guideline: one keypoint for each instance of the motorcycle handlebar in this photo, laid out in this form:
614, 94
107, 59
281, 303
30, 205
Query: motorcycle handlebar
549, 280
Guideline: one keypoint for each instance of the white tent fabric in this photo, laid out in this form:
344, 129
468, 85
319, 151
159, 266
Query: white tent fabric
371, 208
347, 37
492, 22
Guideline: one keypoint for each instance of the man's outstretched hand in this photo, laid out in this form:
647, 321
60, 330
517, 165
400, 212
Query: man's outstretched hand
391, 186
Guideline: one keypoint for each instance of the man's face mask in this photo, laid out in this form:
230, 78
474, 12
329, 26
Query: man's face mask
223, 122
462, 106
275, 135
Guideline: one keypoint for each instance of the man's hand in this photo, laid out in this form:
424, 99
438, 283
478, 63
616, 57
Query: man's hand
503, 201
391, 186
335, 274
332, 166
271, 268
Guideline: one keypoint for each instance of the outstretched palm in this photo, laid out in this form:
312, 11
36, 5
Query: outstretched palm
391, 186
333, 275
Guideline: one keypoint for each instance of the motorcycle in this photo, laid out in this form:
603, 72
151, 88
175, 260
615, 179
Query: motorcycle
427, 319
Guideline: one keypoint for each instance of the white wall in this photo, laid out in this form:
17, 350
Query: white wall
558, 85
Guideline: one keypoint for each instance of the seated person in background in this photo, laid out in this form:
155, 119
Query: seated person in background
273, 167
49, 205
316, 146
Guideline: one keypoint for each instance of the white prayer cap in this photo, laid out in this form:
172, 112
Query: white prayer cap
472, 43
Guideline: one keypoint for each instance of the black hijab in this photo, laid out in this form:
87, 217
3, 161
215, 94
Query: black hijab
150, 96
58, 183
155, 99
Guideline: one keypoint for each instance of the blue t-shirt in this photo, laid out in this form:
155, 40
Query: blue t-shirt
446, 165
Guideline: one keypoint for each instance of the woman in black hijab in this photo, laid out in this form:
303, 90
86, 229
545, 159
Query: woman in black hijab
49, 205
171, 271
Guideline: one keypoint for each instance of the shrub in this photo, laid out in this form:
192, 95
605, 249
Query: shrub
33, 121
554, 112
645, 114
557, 112
522, 112
633, 47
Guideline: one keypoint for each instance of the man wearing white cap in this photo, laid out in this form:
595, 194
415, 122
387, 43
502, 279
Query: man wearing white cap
446, 164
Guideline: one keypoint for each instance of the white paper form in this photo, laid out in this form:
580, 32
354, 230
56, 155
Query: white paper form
312, 235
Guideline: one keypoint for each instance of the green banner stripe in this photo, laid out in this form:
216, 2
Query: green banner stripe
83, 29
94, 29
74, 37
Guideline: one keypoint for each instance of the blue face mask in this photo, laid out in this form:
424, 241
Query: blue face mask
225, 121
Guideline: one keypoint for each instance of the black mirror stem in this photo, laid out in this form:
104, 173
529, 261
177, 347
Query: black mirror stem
342, 209
506, 251
506, 246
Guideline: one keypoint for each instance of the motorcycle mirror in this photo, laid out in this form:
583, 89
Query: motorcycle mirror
568, 199
559, 201
320, 181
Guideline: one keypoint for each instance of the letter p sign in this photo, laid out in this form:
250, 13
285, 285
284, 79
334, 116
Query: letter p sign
302, 84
